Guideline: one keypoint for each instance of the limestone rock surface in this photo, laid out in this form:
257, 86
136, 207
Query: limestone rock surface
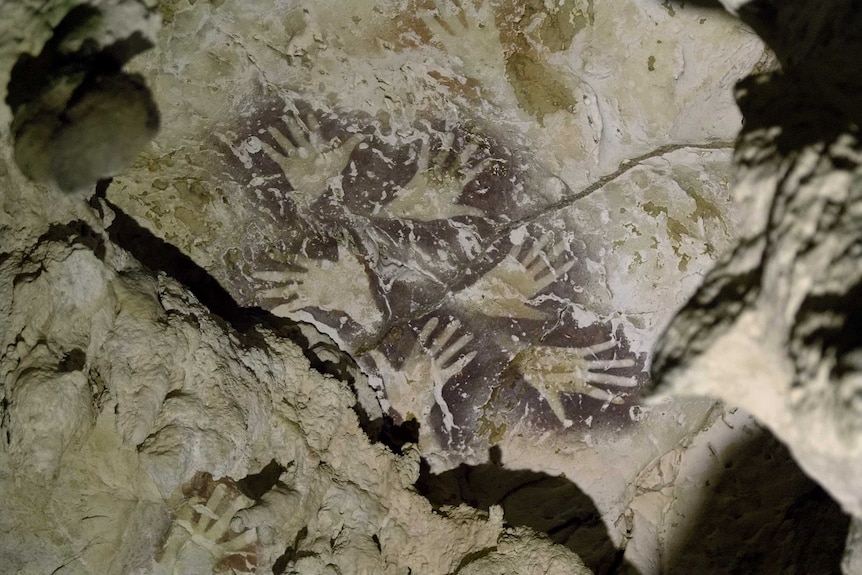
774, 328
143, 434
381, 295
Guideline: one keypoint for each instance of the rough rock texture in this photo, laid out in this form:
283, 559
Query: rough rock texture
784, 302
77, 117
493, 207
379, 297
143, 434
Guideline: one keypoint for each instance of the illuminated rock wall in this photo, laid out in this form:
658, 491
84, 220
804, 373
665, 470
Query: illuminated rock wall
377, 248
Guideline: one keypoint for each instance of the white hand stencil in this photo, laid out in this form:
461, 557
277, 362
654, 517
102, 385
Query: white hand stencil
505, 290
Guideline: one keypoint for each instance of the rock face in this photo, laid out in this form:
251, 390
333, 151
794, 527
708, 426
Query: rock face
77, 117
784, 301
381, 294
136, 418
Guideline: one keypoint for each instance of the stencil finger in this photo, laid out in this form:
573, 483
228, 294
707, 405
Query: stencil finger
601, 394
442, 156
459, 365
444, 337
467, 154
427, 330
433, 20
242, 541
536, 249
473, 17
564, 267
424, 156
593, 364
473, 172
615, 380
597, 348
455, 348
296, 132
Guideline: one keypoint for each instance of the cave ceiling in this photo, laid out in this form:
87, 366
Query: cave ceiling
492, 208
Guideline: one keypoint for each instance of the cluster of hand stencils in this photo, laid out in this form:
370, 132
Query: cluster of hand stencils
368, 278
406, 223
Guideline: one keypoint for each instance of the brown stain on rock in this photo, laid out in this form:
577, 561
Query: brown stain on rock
558, 25
527, 31
538, 91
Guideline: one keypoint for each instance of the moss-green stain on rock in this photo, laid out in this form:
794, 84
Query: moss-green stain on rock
683, 260
538, 91
704, 209
558, 25
669, 7
654, 210
554, 25
495, 432
675, 231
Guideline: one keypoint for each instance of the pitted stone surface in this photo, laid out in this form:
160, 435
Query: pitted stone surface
481, 213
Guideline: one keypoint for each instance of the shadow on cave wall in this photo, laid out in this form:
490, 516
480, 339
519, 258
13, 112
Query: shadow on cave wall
763, 515
546, 503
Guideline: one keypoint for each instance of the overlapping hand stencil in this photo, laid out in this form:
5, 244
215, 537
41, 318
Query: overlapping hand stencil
433, 192
201, 533
308, 162
326, 285
553, 371
418, 385
525, 271
475, 41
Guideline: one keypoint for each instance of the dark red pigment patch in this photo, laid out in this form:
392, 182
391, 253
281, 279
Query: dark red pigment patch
414, 268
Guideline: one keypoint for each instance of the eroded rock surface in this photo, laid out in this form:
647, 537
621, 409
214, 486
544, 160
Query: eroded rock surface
774, 328
145, 435
481, 215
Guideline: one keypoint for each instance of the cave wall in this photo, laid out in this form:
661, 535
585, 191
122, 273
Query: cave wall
373, 287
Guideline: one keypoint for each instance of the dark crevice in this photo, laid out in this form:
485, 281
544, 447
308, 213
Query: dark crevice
73, 361
161, 256
75, 232
385, 431
472, 557
281, 564
174, 393
545, 503
291, 554
27, 276
4, 419
254, 486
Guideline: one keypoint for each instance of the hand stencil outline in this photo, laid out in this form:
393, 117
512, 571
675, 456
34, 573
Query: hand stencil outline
433, 191
553, 371
504, 290
418, 385
306, 160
